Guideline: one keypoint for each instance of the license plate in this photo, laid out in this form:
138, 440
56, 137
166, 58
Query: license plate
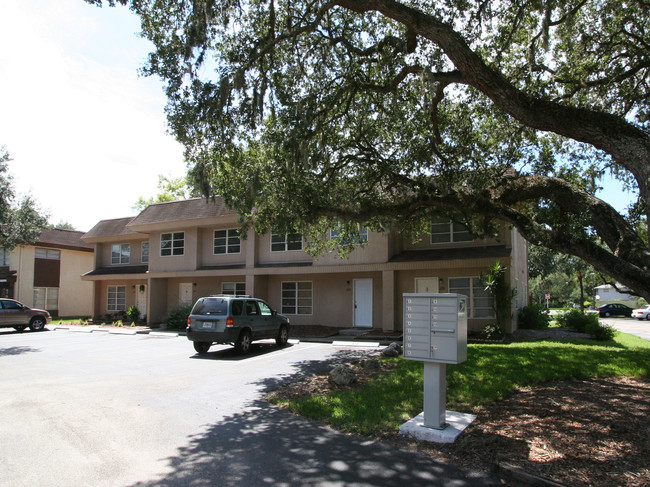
207, 325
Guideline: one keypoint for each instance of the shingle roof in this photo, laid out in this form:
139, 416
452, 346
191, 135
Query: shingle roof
174, 211
61, 238
133, 269
110, 228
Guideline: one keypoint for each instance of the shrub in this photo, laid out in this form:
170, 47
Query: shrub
176, 318
577, 320
599, 331
533, 317
133, 314
493, 331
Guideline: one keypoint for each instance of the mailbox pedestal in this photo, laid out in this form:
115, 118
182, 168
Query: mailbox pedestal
435, 332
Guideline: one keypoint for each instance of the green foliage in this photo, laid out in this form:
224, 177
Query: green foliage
493, 331
21, 222
176, 318
600, 331
170, 189
495, 282
578, 320
302, 113
133, 313
533, 317
490, 373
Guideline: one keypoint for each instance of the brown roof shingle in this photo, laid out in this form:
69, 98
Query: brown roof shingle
61, 238
110, 228
182, 210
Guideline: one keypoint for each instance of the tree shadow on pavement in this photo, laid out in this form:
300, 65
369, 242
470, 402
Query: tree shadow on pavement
266, 445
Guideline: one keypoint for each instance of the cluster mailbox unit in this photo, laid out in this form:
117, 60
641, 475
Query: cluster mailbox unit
435, 327
435, 332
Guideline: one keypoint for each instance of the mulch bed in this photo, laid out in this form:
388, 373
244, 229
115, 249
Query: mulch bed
579, 433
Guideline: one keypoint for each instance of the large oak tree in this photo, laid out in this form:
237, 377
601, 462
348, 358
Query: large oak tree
388, 112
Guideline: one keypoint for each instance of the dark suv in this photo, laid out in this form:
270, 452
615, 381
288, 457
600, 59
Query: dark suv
16, 315
236, 320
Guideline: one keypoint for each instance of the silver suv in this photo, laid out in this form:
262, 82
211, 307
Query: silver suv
14, 314
236, 320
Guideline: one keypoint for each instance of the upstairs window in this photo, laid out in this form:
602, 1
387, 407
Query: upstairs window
49, 254
4, 257
144, 256
283, 242
443, 230
226, 241
120, 253
172, 244
361, 238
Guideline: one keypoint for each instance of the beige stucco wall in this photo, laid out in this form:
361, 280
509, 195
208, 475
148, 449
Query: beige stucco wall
188, 261
75, 295
102, 294
206, 249
103, 253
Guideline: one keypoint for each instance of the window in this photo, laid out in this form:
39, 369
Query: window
50, 254
264, 309
443, 230
144, 256
282, 242
233, 288
172, 243
4, 257
121, 253
46, 298
297, 298
116, 298
480, 301
227, 241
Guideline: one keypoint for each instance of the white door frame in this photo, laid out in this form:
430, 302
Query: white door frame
141, 299
422, 280
362, 302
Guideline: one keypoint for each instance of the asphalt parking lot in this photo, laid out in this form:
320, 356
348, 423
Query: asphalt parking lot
141, 410
640, 328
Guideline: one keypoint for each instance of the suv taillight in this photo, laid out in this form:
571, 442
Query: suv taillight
230, 321
188, 321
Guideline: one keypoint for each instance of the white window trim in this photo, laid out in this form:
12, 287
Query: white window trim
228, 236
450, 232
470, 298
121, 262
171, 240
286, 242
142, 252
50, 254
115, 307
296, 297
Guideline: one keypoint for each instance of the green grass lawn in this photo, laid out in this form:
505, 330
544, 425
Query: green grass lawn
491, 372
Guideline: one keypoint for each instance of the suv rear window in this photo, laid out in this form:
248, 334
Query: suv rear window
211, 306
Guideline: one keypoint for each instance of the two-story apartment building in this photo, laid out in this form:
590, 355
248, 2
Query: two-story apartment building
47, 274
176, 252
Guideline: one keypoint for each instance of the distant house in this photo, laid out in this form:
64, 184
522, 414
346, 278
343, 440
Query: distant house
47, 275
606, 293
175, 252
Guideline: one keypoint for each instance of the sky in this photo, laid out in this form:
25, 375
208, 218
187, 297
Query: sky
88, 134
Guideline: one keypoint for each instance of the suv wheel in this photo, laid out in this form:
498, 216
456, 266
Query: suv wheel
37, 324
283, 336
202, 347
243, 343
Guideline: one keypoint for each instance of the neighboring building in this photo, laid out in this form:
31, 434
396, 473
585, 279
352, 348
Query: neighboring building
606, 293
175, 252
47, 275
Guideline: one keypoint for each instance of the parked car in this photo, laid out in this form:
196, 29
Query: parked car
14, 314
614, 309
235, 320
642, 313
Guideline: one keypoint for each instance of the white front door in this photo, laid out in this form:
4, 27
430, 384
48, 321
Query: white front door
426, 285
141, 299
185, 294
363, 302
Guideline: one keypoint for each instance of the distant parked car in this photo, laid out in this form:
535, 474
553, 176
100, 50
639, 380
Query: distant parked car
14, 314
642, 313
237, 320
614, 309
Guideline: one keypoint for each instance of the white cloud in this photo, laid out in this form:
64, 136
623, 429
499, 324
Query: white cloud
87, 134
